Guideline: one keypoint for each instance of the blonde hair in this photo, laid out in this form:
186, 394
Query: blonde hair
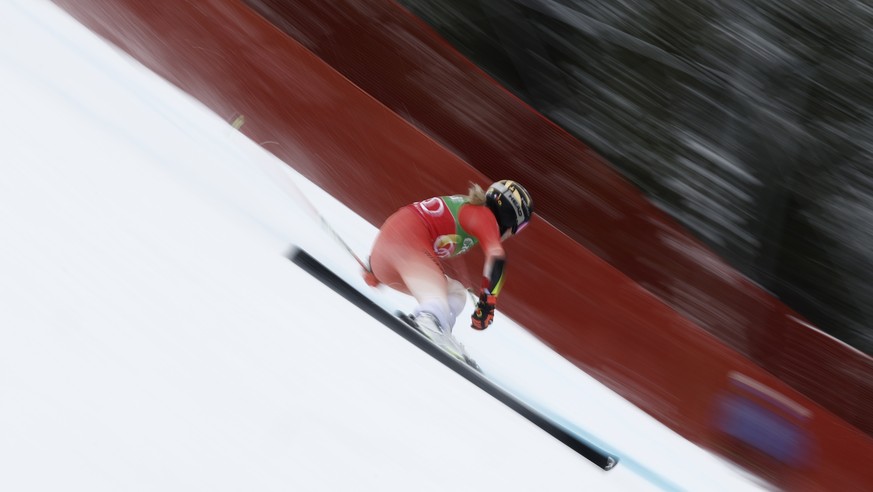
475, 194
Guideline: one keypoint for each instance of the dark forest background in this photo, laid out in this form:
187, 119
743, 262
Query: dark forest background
748, 121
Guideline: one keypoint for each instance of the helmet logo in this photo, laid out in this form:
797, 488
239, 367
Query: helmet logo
515, 200
518, 211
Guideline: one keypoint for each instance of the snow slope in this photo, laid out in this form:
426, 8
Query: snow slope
154, 337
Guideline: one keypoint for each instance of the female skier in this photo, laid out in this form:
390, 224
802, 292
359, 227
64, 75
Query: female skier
407, 252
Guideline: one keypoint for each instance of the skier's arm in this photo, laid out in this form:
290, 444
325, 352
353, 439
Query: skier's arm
480, 222
492, 276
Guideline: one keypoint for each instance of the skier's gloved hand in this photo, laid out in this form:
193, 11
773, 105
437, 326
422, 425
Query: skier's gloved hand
484, 313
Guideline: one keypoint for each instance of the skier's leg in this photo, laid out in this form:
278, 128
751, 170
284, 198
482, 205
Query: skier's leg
403, 259
423, 276
399, 237
457, 298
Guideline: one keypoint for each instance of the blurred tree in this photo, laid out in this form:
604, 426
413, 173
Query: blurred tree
747, 120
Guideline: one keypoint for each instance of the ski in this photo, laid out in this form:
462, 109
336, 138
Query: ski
446, 343
397, 324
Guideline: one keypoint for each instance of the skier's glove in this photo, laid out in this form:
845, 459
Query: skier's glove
484, 313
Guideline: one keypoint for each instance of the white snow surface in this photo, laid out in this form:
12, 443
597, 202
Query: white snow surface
153, 336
